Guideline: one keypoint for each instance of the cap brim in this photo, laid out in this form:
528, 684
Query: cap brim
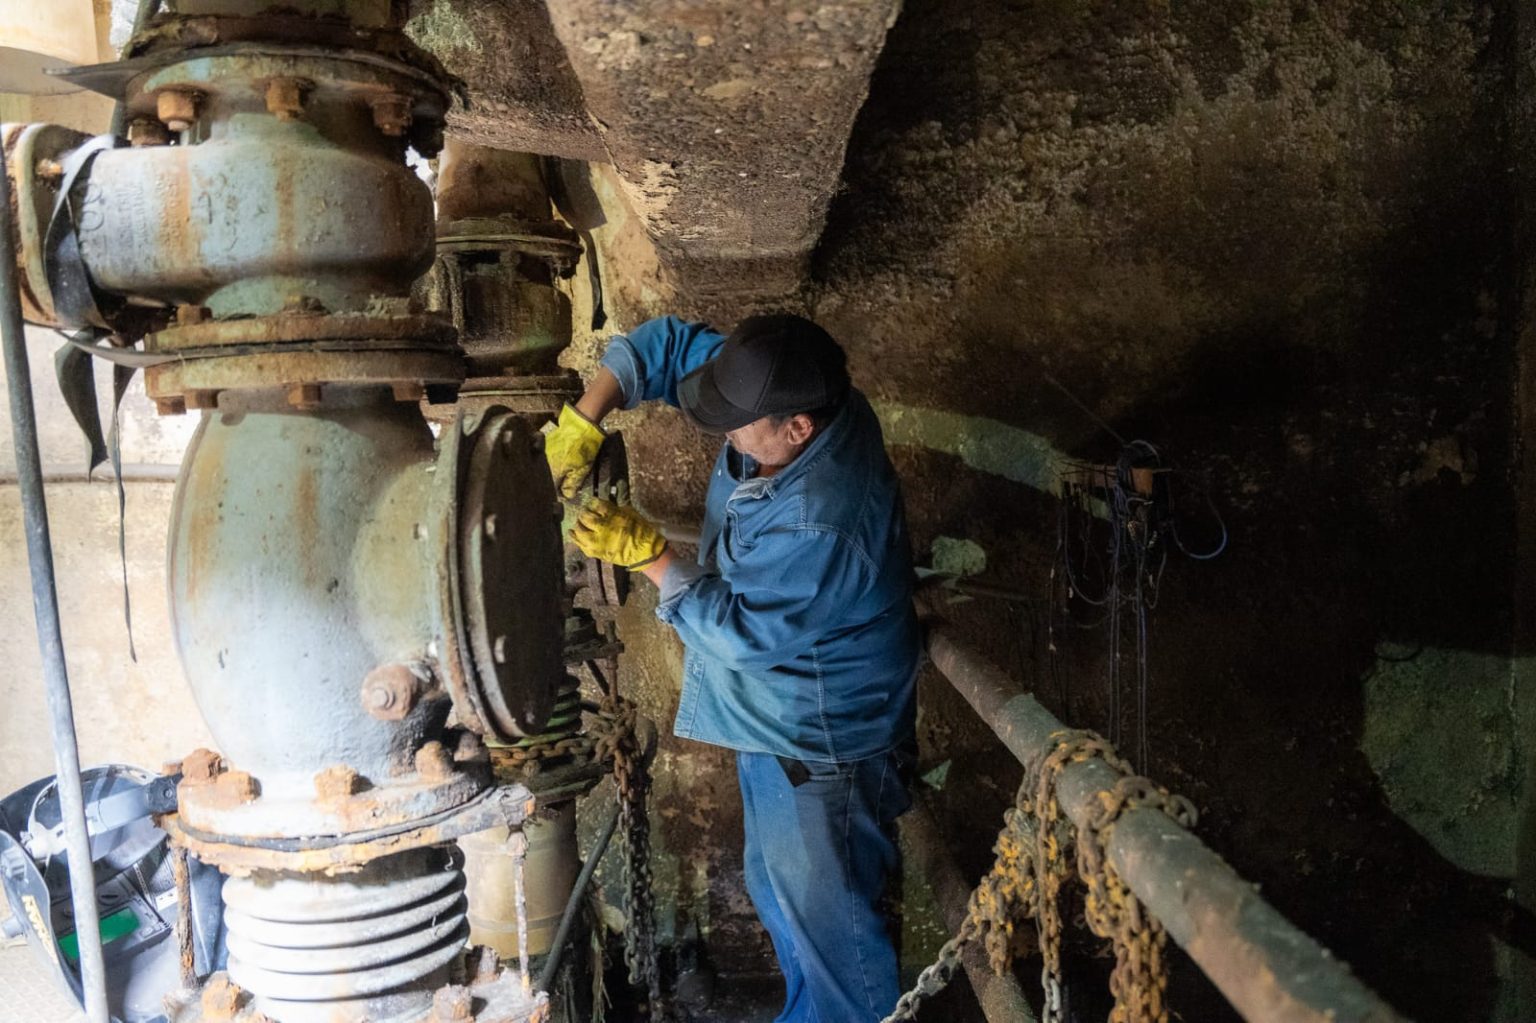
703, 403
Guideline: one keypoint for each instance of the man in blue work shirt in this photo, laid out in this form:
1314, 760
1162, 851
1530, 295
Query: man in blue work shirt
802, 645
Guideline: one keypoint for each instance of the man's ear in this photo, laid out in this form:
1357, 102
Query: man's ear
801, 426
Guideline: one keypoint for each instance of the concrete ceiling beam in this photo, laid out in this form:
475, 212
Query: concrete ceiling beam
727, 122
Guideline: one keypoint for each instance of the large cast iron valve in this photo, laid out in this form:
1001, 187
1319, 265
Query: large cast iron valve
357, 604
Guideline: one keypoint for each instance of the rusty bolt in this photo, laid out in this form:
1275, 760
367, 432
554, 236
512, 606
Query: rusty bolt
469, 748
236, 787
221, 997
285, 97
407, 390
337, 782
484, 963
145, 131
452, 1004
174, 405
202, 399
177, 108
392, 114
390, 691
201, 766
187, 315
433, 762
304, 396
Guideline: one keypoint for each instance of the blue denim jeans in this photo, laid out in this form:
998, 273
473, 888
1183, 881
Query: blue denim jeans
818, 855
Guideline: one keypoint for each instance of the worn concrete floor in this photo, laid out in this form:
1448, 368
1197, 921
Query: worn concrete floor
27, 993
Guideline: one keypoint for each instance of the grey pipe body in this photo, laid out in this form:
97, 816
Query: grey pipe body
1267, 968
45, 605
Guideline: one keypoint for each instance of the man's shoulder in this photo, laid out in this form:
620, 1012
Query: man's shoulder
851, 485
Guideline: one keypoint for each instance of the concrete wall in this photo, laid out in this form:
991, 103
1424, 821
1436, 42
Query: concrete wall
126, 712
1276, 240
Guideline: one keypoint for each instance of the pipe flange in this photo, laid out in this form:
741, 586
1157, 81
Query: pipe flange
502, 806
499, 592
547, 239
340, 803
426, 330
304, 370
534, 397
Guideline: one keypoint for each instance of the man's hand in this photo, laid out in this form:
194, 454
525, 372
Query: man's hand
570, 448
618, 534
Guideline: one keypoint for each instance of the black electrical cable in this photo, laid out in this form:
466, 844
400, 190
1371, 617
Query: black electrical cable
572, 904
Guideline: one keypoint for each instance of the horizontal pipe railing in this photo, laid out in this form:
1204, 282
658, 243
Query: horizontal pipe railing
1268, 969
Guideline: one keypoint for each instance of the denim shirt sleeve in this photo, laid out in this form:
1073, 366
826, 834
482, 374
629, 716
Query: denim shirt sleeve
653, 357
777, 602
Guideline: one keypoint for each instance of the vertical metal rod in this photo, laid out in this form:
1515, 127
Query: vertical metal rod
45, 606
181, 873
519, 844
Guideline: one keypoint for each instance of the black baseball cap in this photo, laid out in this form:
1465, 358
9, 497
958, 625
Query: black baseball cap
768, 366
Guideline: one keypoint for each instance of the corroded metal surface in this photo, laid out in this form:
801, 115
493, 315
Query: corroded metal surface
424, 329
199, 382
500, 609
503, 806
33, 155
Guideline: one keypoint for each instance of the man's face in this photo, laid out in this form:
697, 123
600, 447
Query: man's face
773, 444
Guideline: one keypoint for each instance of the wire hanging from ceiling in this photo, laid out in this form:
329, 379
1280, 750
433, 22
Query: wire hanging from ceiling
1116, 526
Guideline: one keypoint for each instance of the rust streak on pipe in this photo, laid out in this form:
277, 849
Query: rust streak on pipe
1000, 997
1267, 968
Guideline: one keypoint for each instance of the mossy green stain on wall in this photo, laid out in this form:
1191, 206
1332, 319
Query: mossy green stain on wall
1439, 733
983, 444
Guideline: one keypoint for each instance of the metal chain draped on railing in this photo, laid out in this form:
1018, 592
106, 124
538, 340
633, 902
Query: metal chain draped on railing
1026, 879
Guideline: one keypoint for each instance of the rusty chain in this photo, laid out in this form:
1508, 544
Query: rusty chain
615, 738
1027, 876
1007, 893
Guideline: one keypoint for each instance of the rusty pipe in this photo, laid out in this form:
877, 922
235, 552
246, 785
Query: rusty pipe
1266, 967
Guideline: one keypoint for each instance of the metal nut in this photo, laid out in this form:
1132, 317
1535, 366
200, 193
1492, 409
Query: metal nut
221, 997
392, 114
201, 766
234, 787
338, 782
433, 762
143, 131
285, 97
304, 396
177, 108
390, 691
175, 405
470, 748
452, 1004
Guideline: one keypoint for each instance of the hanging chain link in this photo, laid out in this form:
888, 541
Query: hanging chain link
615, 739
1027, 877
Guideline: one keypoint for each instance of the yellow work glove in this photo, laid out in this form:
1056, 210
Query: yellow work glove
570, 448
618, 534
